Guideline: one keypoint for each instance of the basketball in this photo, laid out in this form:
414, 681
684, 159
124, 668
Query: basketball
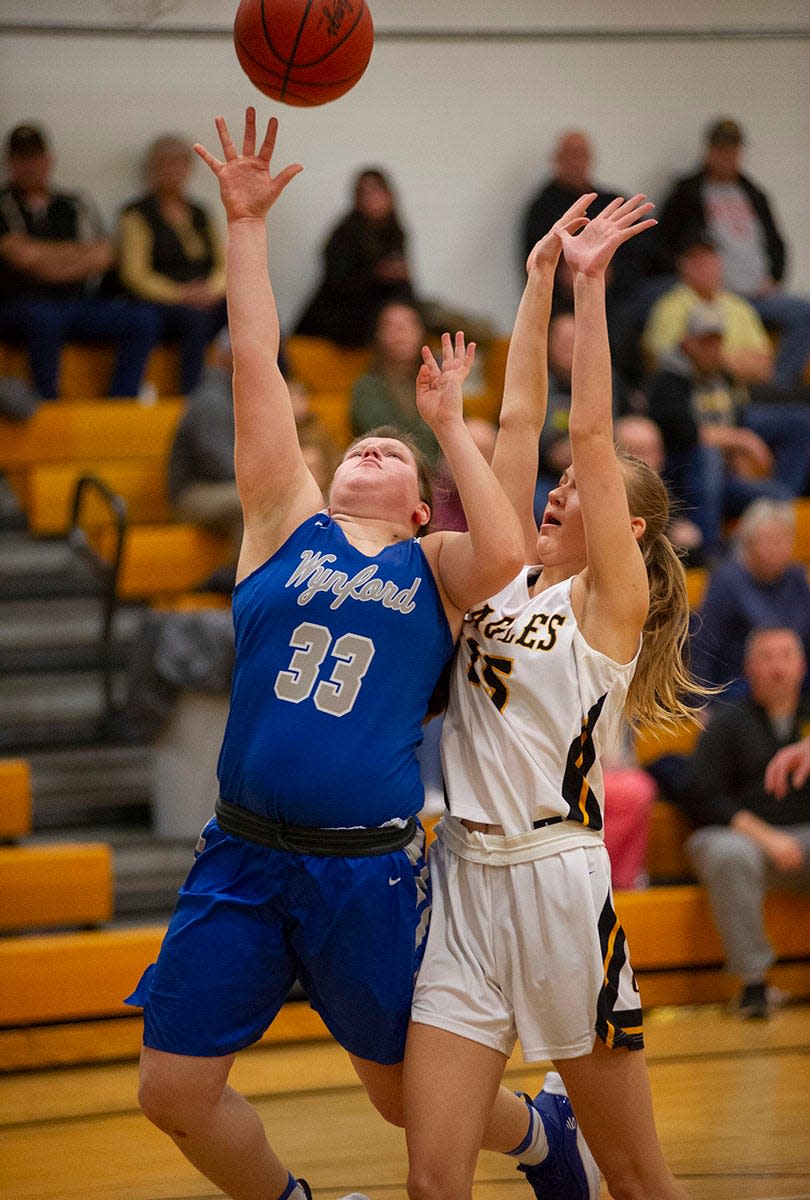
300, 52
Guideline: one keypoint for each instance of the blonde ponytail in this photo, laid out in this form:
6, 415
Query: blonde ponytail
663, 689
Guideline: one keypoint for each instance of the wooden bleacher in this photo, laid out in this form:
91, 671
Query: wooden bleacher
15, 799
85, 369
47, 887
61, 993
68, 430
321, 366
49, 490
164, 560
49, 981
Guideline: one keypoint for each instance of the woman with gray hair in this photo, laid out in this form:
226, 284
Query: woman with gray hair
170, 254
760, 584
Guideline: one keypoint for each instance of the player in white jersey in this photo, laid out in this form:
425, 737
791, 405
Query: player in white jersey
524, 941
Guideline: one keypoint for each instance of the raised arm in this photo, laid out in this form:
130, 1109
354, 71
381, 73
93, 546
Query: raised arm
276, 489
468, 566
617, 590
525, 393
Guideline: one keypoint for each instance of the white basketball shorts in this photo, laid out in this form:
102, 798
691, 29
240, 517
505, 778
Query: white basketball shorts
529, 951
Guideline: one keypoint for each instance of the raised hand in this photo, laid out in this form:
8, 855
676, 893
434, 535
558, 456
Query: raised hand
592, 249
439, 388
546, 252
247, 188
789, 768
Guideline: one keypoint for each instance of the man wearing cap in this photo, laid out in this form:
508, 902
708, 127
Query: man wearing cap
748, 356
722, 453
53, 254
723, 204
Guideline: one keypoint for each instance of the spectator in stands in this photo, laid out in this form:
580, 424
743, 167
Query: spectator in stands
555, 447
720, 201
53, 254
722, 454
386, 394
448, 512
639, 435
747, 353
365, 266
201, 479
749, 841
170, 254
571, 176
629, 796
761, 583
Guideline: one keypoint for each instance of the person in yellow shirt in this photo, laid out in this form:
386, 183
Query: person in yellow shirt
170, 254
747, 352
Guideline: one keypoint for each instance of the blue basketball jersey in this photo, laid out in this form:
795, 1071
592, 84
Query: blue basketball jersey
337, 655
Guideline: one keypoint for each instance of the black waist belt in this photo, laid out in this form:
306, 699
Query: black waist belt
546, 821
307, 839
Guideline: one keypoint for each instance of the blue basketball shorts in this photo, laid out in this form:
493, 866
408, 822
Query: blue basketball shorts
250, 920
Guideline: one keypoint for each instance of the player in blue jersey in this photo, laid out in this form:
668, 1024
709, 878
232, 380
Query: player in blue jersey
314, 865
524, 941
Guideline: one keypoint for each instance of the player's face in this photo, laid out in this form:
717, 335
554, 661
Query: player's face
561, 536
378, 474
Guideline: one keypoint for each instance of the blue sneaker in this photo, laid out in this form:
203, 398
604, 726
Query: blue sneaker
569, 1171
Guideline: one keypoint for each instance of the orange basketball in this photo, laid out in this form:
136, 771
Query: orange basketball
303, 52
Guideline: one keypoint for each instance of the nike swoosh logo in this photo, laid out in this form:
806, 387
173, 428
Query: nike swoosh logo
391, 882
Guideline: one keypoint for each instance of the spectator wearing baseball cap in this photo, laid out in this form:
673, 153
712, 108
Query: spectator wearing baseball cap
722, 450
53, 255
747, 352
727, 206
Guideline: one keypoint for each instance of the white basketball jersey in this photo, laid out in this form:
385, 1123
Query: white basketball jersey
532, 708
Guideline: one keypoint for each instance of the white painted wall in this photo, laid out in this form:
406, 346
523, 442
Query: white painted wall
464, 126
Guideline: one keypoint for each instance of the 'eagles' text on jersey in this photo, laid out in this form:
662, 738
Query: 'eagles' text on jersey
337, 655
532, 706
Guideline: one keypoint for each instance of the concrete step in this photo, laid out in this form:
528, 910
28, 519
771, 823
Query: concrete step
61, 634
147, 873
53, 707
42, 567
80, 787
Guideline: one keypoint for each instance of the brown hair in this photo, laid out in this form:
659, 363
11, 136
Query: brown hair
423, 469
663, 688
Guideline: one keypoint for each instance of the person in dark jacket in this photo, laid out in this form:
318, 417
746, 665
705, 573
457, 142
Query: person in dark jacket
748, 840
365, 266
722, 202
54, 253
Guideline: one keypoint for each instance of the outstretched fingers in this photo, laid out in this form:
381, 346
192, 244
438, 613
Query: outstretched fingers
457, 351
269, 144
249, 136
208, 158
577, 211
226, 141
429, 363
621, 212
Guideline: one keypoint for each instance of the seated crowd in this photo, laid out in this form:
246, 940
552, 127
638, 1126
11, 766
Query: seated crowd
710, 354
